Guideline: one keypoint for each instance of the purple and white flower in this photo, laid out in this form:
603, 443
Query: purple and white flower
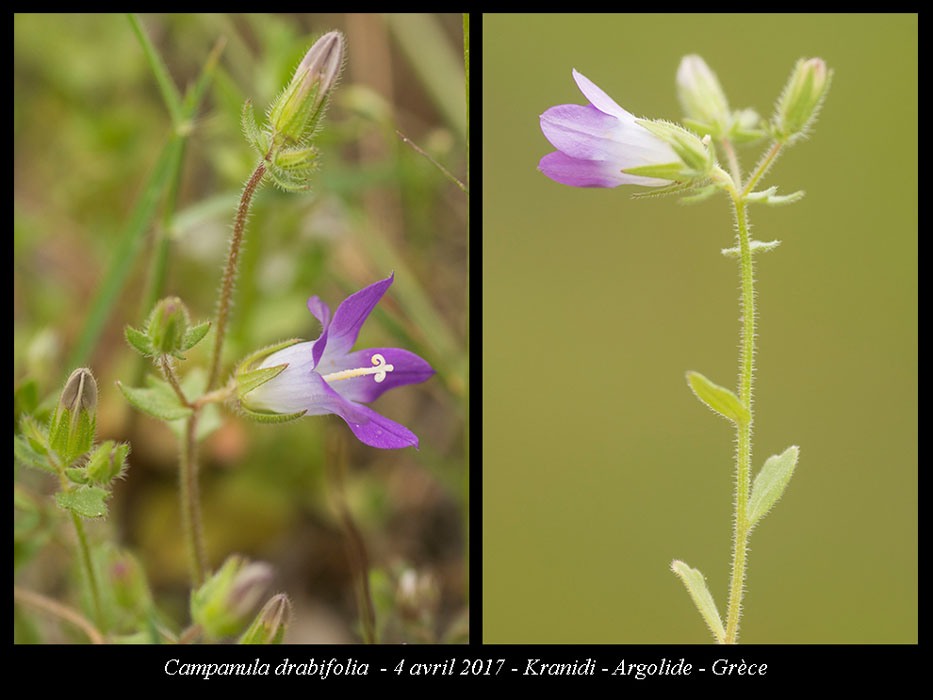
324, 376
597, 141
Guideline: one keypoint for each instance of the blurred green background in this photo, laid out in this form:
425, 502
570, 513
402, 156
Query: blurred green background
90, 124
599, 466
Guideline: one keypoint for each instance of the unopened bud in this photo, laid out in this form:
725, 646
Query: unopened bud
225, 602
271, 622
701, 95
107, 462
128, 581
295, 115
168, 324
802, 97
71, 432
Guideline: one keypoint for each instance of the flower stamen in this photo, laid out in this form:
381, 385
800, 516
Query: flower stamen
379, 369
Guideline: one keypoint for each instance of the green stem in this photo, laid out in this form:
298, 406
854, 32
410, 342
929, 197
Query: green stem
226, 291
763, 167
190, 502
88, 569
744, 429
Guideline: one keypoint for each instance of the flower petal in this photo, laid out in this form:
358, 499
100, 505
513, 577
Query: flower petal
590, 173
599, 99
350, 316
407, 368
369, 427
321, 311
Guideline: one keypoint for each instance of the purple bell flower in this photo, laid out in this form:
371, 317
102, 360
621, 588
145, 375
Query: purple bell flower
596, 142
324, 376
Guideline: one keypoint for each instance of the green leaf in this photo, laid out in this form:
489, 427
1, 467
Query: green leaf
24, 452
139, 341
718, 398
771, 481
86, 501
159, 400
702, 598
195, 335
770, 196
167, 87
34, 433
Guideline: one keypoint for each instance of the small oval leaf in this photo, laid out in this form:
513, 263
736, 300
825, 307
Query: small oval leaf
159, 400
696, 587
718, 398
771, 481
86, 501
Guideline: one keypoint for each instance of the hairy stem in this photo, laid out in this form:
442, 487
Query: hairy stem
743, 429
190, 502
88, 568
226, 291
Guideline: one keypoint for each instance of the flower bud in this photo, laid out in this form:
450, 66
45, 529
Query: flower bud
800, 102
701, 96
296, 113
128, 581
107, 462
71, 432
225, 602
271, 622
168, 324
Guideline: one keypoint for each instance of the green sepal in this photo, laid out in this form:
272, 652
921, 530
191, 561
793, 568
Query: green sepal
71, 439
139, 341
700, 128
195, 335
673, 188
24, 452
256, 138
718, 398
285, 181
702, 598
688, 146
665, 171
702, 193
263, 353
753, 246
247, 381
76, 475
158, 400
84, 501
770, 482
271, 417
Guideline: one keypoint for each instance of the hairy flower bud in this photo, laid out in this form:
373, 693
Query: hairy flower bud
271, 622
295, 115
801, 100
107, 462
168, 324
701, 95
225, 602
71, 432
